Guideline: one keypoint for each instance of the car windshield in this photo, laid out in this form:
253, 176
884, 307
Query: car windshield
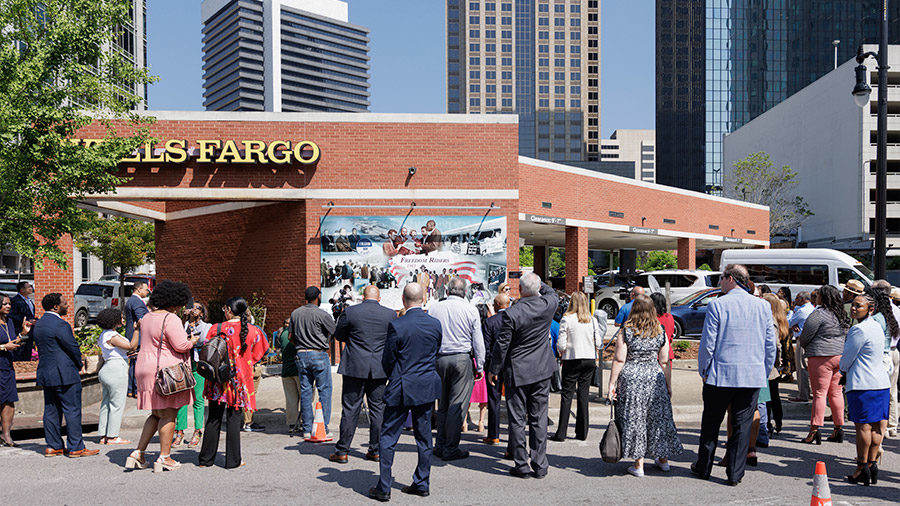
865, 271
690, 298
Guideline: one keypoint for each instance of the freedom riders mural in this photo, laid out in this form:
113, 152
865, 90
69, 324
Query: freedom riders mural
393, 251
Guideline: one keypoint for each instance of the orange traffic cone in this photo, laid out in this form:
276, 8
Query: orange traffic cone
821, 494
318, 434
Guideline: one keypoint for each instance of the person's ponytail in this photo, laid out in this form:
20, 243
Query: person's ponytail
238, 307
245, 327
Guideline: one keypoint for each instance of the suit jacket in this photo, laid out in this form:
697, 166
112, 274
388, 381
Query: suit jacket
20, 311
737, 348
364, 328
410, 359
135, 309
60, 355
492, 328
522, 348
432, 242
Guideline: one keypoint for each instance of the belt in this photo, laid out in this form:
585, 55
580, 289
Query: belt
454, 353
311, 351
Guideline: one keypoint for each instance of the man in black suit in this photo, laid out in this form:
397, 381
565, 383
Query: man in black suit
22, 310
57, 373
410, 356
492, 328
364, 328
522, 353
135, 309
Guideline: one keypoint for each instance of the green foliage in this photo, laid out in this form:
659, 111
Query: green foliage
705, 267
119, 242
756, 179
256, 304
557, 262
657, 260
61, 69
682, 346
87, 339
526, 256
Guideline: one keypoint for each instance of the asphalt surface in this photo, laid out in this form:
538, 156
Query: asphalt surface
282, 469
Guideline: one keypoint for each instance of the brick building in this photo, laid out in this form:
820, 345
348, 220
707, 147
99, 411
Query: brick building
244, 216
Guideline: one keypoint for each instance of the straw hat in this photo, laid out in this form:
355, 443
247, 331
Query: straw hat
855, 287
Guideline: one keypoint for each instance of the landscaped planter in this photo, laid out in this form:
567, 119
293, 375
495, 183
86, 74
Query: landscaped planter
31, 396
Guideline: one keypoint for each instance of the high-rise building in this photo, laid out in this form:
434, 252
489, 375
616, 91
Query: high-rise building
283, 55
539, 59
636, 146
132, 40
721, 63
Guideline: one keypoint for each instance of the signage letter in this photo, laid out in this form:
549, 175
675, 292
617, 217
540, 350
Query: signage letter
298, 150
148, 153
273, 150
175, 151
230, 153
206, 149
259, 151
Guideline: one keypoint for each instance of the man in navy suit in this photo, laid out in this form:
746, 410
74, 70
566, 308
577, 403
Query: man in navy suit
57, 373
364, 328
492, 328
410, 361
22, 310
135, 309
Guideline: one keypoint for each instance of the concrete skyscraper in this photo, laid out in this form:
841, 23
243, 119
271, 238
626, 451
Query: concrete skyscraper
539, 59
283, 55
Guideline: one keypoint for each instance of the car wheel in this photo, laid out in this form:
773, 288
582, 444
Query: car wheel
678, 330
81, 318
609, 307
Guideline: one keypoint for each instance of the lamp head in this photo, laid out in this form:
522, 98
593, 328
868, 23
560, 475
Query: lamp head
861, 90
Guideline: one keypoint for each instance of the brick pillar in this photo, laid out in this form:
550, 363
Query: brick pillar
53, 279
541, 257
576, 257
687, 253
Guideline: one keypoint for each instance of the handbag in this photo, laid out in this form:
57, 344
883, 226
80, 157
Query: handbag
556, 380
611, 443
174, 378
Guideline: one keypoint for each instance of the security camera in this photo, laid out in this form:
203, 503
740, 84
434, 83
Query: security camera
412, 171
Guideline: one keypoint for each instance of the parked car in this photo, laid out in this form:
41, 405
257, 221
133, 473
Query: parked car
689, 312
8, 287
150, 279
681, 282
800, 269
91, 298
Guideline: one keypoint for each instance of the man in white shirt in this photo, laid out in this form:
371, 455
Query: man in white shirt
803, 307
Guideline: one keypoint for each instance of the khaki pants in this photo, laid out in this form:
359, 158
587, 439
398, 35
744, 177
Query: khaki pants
802, 373
257, 375
291, 385
892, 417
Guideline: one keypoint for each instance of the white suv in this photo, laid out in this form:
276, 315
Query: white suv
681, 282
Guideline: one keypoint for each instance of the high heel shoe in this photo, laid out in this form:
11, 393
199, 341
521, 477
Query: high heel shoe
136, 460
837, 436
165, 463
814, 437
862, 475
778, 426
873, 472
752, 461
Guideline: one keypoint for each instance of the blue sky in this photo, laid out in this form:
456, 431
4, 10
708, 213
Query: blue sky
408, 57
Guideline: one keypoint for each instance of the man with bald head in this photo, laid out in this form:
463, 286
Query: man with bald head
492, 327
410, 361
364, 329
625, 312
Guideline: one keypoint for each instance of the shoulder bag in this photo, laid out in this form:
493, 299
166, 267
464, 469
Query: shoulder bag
174, 378
611, 443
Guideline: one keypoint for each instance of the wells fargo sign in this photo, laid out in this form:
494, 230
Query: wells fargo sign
218, 151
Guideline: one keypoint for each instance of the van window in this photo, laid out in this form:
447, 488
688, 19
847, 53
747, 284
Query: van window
803, 274
845, 275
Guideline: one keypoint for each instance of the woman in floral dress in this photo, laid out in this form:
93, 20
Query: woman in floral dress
247, 344
638, 385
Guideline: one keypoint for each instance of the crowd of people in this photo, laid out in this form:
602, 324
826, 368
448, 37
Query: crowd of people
457, 353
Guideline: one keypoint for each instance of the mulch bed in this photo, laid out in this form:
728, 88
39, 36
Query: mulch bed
25, 367
690, 353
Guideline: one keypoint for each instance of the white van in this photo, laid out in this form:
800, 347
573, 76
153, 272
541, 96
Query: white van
800, 269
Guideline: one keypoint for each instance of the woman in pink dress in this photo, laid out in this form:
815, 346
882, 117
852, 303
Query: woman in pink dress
163, 343
479, 391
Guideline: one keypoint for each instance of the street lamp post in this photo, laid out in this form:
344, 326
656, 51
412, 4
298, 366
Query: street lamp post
861, 94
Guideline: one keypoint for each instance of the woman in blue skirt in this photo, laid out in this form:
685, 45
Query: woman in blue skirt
868, 387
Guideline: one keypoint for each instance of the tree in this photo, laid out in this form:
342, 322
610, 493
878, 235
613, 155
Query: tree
657, 260
61, 68
121, 242
755, 179
526, 256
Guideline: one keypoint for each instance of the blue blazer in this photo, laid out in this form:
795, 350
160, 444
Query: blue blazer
862, 360
737, 348
364, 328
60, 355
135, 309
410, 359
20, 311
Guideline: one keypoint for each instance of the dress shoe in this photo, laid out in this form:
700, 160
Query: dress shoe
458, 455
538, 475
374, 457
50, 452
490, 440
378, 495
732, 483
557, 437
415, 491
519, 474
84, 452
697, 472
338, 458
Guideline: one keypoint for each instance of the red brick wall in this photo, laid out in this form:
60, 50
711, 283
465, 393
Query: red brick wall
576, 257
53, 279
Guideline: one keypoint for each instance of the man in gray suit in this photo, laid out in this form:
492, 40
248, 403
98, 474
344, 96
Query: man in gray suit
522, 352
364, 329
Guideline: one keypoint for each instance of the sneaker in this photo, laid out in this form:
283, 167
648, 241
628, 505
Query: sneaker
664, 466
307, 435
635, 472
892, 433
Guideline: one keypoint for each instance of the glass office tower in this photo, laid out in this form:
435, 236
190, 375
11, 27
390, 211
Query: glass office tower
721, 63
539, 59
